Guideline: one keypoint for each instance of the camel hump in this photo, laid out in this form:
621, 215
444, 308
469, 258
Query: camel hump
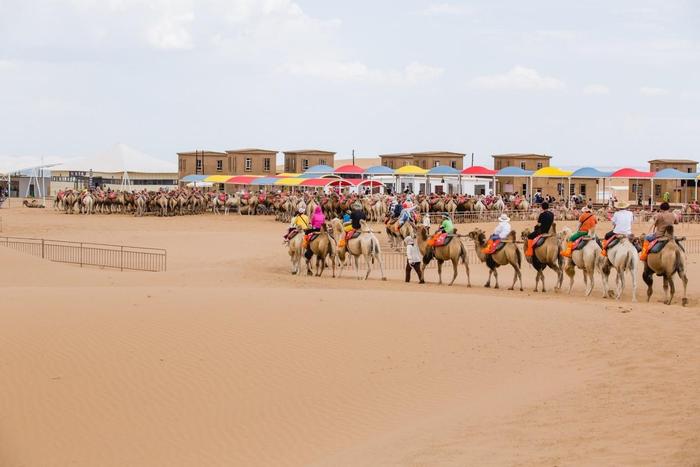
511, 236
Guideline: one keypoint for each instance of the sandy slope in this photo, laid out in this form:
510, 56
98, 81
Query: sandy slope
228, 360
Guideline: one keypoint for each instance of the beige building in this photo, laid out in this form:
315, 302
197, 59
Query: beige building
531, 162
301, 160
233, 162
681, 191
425, 160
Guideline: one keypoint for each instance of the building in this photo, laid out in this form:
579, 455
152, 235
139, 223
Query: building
301, 160
201, 163
531, 162
681, 191
424, 160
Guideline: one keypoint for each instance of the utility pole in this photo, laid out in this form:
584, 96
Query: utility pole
353, 157
472, 159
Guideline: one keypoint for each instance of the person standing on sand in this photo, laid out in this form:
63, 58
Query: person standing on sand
413, 259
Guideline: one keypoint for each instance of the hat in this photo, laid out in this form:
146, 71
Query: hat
408, 240
585, 209
356, 205
301, 210
504, 218
445, 215
622, 205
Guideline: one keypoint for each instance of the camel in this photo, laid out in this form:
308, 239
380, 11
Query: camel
546, 255
140, 203
365, 245
509, 254
296, 251
498, 205
396, 237
587, 259
453, 251
667, 262
322, 247
88, 204
623, 257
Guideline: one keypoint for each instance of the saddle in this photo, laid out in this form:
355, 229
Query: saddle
308, 238
112, 196
222, 197
612, 241
293, 233
658, 244
580, 243
539, 241
348, 236
440, 239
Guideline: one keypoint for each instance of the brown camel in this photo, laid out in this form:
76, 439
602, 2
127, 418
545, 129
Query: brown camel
322, 247
546, 255
509, 254
453, 251
365, 245
667, 262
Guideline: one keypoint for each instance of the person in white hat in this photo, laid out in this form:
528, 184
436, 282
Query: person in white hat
622, 224
500, 233
413, 259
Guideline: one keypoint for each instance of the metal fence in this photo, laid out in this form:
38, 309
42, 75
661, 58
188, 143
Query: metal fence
91, 254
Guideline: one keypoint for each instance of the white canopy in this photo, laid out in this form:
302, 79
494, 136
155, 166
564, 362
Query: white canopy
120, 158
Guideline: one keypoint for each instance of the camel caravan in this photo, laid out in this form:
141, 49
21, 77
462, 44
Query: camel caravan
333, 242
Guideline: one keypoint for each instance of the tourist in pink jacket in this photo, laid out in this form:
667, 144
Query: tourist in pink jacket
317, 219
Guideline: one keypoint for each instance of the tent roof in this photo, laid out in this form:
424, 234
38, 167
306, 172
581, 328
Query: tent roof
288, 175
349, 169
379, 170
547, 172
291, 181
443, 170
674, 174
319, 169
410, 170
367, 182
264, 181
630, 173
322, 182
193, 178
513, 171
478, 170
242, 179
217, 178
120, 158
589, 172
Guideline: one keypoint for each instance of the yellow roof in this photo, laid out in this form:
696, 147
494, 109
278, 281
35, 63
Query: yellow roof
217, 178
289, 181
288, 175
552, 172
410, 170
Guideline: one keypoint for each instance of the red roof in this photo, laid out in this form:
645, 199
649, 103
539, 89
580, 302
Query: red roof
349, 169
478, 170
367, 183
319, 182
242, 179
631, 173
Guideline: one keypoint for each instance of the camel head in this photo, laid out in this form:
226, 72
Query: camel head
525, 233
477, 235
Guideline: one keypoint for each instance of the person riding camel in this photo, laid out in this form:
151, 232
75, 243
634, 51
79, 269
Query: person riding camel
622, 224
500, 233
586, 222
299, 222
406, 214
357, 215
662, 220
544, 223
347, 222
446, 226
317, 221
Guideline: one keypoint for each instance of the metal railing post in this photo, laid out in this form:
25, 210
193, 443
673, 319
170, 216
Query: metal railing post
42, 248
81, 255
121, 258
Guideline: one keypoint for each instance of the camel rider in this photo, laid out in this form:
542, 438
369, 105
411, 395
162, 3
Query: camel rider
662, 220
500, 233
356, 216
622, 224
544, 223
299, 222
317, 219
406, 214
667, 197
397, 211
347, 222
586, 223
447, 226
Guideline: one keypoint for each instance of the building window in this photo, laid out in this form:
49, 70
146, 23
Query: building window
248, 164
183, 165
498, 165
322, 161
583, 189
690, 170
657, 190
524, 189
436, 163
522, 165
390, 164
560, 189
634, 188
572, 189
219, 166
199, 165
230, 165
453, 164
304, 164
266, 164
539, 165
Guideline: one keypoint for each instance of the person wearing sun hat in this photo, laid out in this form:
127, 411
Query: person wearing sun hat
500, 233
622, 224
586, 222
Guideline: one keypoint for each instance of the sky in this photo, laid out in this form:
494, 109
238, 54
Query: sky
600, 82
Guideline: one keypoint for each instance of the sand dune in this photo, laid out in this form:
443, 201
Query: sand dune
226, 359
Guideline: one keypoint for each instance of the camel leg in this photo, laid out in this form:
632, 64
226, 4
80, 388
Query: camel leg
633, 272
333, 258
356, 264
369, 265
620, 284
570, 272
684, 280
381, 266
591, 278
455, 265
666, 301
320, 265
542, 279
488, 282
648, 278
495, 276
439, 263
673, 289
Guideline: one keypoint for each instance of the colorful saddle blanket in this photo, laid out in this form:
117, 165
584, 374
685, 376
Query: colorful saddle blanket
441, 239
658, 244
308, 238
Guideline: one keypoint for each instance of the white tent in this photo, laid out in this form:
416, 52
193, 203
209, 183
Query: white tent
120, 158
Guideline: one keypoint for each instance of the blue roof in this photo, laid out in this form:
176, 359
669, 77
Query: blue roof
264, 181
674, 174
193, 178
589, 172
443, 170
379, 170
319, 169
514, 172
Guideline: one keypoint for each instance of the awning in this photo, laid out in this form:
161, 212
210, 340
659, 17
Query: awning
479, 171
242, 179
410, 170
288, 175
513, 172
589, 172
443, 170
631, 173
290, 181
369, 183
265, 181
379, 170
349, 169
319, 169
551, 172
217, 178
674, 174
193, 178
324, 182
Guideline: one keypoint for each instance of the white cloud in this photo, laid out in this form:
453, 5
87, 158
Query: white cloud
172, 32
444, 9
414, 73
653, 92
6, 65
518, 78
596, 89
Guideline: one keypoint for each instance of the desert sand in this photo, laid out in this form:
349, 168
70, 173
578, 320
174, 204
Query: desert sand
226, 359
